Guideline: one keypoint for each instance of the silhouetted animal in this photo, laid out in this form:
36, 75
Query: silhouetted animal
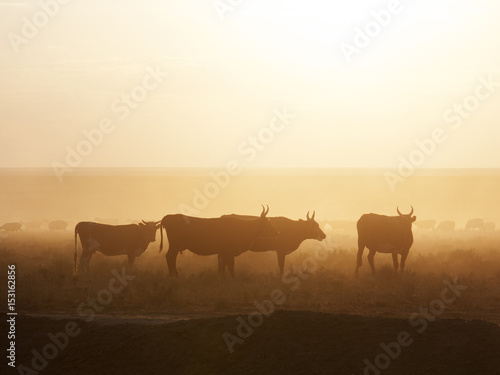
291, 233
12, 227
131, 240
425, 224
474, 224
227, 237
385, 234
58, 225
446, 226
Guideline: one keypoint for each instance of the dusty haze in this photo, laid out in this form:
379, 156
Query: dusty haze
334, 194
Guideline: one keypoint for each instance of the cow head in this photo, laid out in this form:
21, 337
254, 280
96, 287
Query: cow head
313, 231
149, 228
266, 229
408, 218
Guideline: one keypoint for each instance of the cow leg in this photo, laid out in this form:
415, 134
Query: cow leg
281, 261
171, 257
131, 259
230, 265
85, 261
395, 261
361, 247
370, 257
221, 263
403, 260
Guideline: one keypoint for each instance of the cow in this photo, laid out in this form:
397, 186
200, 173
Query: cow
425, 224
291, 233
58, 225
385, 234
446, 226
131, 240
474, 224
226, 237
12, 227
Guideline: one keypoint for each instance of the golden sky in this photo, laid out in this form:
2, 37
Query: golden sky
201, 77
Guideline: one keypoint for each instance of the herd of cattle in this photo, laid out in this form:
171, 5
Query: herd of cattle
449, 226
32, 225
230, 235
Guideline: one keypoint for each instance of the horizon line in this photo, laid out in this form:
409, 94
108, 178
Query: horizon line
100, 171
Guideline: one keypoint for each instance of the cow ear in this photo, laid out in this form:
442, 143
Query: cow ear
413, 219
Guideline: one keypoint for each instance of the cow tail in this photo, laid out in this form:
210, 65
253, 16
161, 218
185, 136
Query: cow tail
161, 237
76, 246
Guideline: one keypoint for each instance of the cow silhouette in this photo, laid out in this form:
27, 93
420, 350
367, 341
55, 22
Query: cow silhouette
474, 224
425, 224
58, 225
12, 227
385, 234
226, 237
111, 240
291, 233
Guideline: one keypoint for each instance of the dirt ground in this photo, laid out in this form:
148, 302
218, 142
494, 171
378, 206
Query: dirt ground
329, 321
286, 342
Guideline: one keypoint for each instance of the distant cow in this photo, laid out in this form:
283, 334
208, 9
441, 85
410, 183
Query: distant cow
291, 233
489, 226
385, 234
131, 240
12, 227
58, 225
226, 237
425, 224
446, 226
474, 224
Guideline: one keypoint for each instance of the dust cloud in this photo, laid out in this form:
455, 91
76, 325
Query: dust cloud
122, 196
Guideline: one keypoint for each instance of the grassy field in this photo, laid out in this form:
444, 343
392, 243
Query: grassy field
326, 283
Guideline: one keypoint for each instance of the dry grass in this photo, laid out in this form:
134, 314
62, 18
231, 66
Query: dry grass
45, 278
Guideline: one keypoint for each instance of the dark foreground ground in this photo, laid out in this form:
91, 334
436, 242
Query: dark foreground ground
286, 342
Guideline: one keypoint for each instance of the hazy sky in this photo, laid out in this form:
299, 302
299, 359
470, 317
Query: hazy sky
183, 84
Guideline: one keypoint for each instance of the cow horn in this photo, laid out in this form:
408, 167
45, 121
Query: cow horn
411, 212
314, 214
263, 213
307, 216
144, 222
267, 211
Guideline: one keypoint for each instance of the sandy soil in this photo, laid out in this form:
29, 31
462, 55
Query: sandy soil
286, 342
